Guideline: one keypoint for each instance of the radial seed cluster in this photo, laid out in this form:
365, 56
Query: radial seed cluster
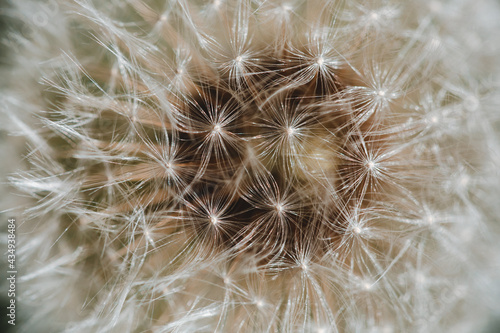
259, 166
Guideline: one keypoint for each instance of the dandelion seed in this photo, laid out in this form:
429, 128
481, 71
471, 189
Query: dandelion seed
464, 181
279, 208
217, 129
471, 103
259, 303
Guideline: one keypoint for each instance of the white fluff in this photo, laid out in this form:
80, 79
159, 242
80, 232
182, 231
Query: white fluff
257, 166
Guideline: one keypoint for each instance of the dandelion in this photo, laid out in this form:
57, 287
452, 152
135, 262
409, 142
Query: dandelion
256, 166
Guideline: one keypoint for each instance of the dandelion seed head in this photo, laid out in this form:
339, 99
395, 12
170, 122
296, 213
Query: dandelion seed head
257, 165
